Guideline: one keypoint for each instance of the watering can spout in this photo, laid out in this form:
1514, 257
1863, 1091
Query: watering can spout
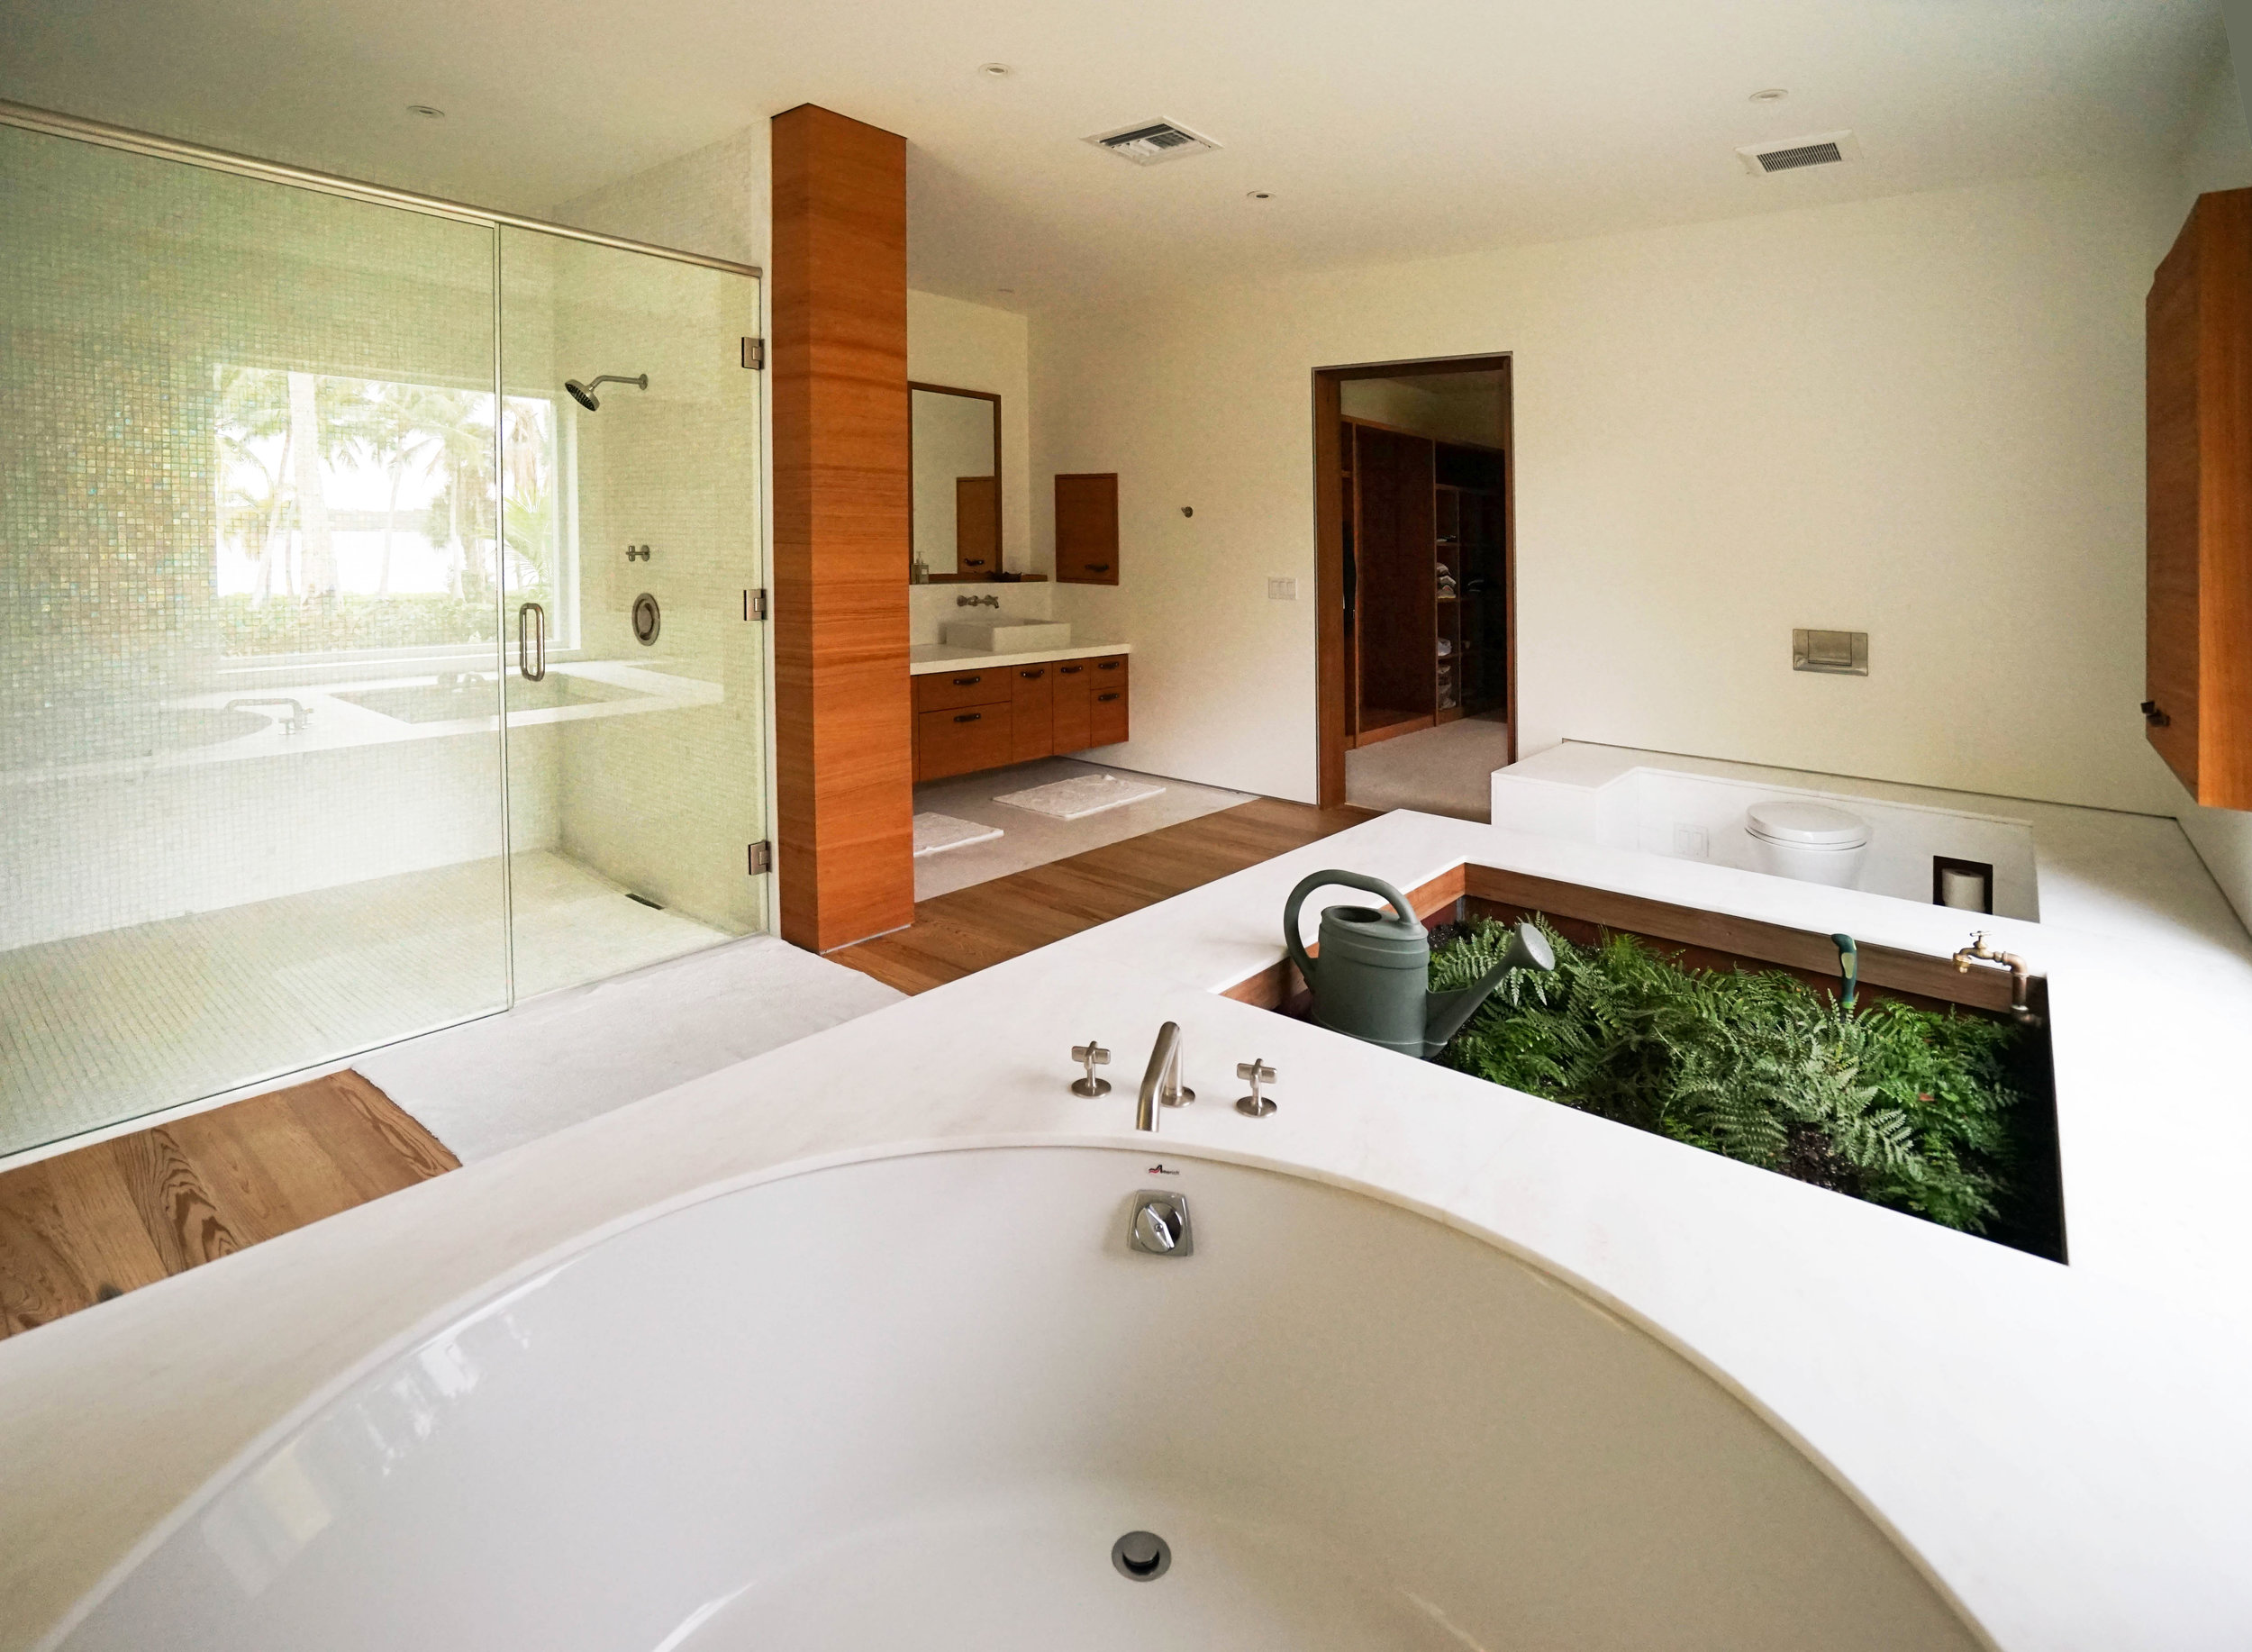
1528, 949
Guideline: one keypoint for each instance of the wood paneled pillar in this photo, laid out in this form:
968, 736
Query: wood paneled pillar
844, 729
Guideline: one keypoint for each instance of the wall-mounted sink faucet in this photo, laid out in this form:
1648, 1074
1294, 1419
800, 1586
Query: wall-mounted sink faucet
1162, 1082
977, 602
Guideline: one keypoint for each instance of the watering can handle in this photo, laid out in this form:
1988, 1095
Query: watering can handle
1296, 948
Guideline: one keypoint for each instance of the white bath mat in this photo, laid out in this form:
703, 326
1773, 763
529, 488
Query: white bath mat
935, 832
1076, 799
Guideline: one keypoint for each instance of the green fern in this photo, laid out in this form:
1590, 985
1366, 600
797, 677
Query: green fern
1900, 1106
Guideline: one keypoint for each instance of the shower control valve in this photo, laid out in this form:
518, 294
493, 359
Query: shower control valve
1091, 1056
632, 554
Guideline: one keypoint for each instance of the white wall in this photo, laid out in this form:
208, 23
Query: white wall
2218, 157
1920, 416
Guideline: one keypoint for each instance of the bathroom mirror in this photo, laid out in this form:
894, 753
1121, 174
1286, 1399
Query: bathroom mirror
954, 447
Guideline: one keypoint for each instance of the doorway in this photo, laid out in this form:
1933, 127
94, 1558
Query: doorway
1415, 575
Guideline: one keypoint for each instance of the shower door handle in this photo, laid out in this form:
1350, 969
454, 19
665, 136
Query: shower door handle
532, 626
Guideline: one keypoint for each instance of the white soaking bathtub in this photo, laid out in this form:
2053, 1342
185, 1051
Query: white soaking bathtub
913, 1401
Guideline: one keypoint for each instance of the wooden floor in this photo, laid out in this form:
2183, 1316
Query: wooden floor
90, 1224
93, 1223
958, 934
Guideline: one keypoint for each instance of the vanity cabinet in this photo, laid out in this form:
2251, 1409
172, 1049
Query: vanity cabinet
1032, 713
991, 716
2198, 630
1075, 700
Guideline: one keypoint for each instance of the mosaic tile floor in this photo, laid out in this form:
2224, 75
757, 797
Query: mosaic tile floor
103, 1028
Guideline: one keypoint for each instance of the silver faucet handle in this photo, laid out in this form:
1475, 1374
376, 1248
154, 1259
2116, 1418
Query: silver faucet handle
1257, 1072
1091, 1056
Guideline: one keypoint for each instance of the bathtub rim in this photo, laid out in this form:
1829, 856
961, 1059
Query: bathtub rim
512, 1282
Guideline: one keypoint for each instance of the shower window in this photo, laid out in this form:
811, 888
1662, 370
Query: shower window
357, 515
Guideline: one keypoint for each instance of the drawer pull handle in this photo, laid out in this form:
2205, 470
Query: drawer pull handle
969, 682
1107, 664
969, 717
1070, 670
1042, 672
1106, 697
1098, 568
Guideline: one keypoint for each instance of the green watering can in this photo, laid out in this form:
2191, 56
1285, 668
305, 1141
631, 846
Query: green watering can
1373, 978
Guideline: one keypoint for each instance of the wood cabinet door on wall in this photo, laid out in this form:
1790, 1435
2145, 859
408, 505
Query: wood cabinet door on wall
2198, 495
1031, 713
977, 524
1074, 705
1086, 529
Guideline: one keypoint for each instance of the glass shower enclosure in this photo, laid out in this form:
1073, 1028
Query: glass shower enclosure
376, 582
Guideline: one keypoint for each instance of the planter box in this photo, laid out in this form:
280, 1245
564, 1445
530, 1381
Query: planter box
1698, 938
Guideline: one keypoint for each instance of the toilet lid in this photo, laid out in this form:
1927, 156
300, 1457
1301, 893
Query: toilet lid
1816, 825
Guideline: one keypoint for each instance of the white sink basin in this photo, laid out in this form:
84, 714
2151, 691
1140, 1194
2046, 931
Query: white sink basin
1002, 635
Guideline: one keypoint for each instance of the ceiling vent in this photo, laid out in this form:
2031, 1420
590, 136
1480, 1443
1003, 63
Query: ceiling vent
1148, 142
1821, 148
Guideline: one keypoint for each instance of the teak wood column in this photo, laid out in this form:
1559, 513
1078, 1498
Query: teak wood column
844, 729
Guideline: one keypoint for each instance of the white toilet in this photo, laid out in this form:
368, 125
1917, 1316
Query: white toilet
1813, 842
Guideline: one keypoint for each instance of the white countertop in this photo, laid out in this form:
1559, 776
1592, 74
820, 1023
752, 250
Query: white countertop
2063, 1450
924, 657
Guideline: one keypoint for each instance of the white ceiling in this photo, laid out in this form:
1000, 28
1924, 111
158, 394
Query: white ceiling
1382, 131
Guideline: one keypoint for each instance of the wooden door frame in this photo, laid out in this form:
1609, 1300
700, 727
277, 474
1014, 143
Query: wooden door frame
1330, 712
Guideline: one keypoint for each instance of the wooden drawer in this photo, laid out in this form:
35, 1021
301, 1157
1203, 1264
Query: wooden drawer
961, 740
1074, 701
1031, 712
1107, 717
1109, 671
942, 691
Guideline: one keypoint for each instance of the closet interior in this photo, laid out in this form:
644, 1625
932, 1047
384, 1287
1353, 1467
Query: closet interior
1425, 522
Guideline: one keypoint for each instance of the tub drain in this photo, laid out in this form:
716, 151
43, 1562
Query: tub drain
1141, 1556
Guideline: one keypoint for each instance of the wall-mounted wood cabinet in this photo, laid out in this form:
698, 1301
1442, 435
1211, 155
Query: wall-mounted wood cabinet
2198, 632
1086, 529
991, 716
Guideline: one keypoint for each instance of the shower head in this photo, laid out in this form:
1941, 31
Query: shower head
583, 394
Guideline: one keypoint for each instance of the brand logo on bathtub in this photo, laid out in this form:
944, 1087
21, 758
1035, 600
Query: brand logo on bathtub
1159, 1169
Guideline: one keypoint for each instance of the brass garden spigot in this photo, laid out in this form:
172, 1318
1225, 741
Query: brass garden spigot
2020, 976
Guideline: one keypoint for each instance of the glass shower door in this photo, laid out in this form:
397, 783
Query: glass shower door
251, 757
635, 680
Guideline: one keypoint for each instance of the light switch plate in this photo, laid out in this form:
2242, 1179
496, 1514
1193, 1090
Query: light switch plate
1282, 590
1841, 653
1690, 843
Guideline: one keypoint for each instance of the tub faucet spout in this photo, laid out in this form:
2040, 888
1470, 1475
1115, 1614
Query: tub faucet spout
1161, 1082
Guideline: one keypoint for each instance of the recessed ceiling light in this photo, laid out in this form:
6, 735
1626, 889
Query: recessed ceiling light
1258, 194
998, 71
1770, 95
428, 111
